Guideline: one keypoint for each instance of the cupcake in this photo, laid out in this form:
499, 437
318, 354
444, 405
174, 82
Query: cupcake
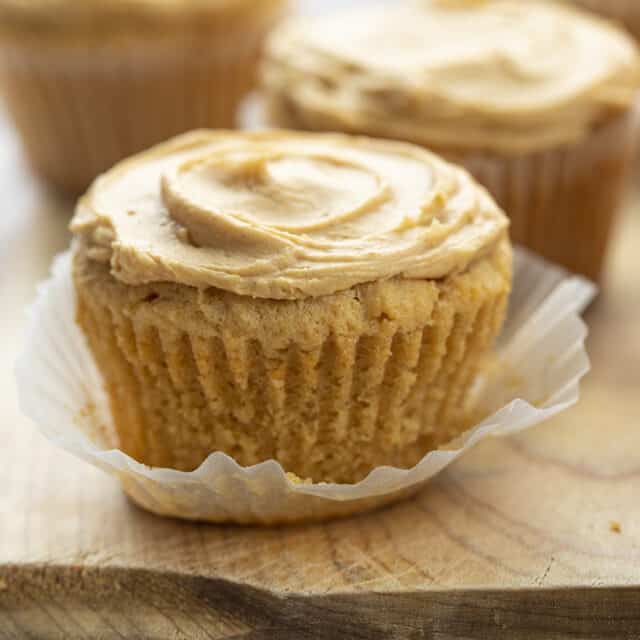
317, 299
536, 99
91, 82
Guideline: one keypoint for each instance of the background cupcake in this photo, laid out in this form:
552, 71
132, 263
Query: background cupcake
91, 82
536, 99
320, 300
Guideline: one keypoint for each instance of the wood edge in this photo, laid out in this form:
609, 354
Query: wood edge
172, 600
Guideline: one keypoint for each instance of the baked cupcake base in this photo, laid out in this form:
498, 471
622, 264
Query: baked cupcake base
330, 387
543, 359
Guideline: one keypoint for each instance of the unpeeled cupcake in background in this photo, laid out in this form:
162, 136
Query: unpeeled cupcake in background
536, 99
89, 82
320, 300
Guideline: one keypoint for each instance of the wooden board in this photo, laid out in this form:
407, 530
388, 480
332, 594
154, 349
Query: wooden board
536, 536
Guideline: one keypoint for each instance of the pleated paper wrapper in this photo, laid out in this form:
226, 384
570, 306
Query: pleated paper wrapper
535, 373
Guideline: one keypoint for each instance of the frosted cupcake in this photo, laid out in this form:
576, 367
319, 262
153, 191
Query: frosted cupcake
89, 82
321, 300
535, 99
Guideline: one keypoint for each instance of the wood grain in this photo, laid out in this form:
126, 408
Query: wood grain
518, 539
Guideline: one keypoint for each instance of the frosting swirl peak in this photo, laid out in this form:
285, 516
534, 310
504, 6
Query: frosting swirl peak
285, 215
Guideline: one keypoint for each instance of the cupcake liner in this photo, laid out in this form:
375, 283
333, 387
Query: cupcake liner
562, 203
79, 111
539, 359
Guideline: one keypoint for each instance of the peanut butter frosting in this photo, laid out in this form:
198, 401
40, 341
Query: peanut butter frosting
503, 75
283, 215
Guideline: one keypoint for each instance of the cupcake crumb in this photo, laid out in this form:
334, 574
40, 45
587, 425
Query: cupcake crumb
614, 526
3, 585
297, 479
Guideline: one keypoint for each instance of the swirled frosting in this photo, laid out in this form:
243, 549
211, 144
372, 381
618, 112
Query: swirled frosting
505, 75
284, 215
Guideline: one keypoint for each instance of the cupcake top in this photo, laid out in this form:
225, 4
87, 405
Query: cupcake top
285, 215
505, 75
105, 18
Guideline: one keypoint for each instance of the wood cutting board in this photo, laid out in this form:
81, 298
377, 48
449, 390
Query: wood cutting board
534, 536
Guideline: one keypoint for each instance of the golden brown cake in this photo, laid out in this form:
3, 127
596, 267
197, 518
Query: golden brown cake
90, 82
321, 300
536, 99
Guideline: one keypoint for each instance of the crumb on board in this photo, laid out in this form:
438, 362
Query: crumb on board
297, 480
3, 584
614, 526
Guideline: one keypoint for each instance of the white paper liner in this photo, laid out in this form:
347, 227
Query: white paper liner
541, 356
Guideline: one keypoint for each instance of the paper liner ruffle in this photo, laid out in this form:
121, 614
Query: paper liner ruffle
540, 360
